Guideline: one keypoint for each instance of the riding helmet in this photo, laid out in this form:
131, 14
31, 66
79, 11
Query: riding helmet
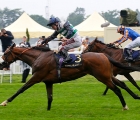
53, 20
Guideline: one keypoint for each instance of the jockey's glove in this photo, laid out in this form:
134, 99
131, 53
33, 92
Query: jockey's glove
48, 39
44, 42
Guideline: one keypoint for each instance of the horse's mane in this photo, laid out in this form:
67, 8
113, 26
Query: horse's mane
98, 41
108, 45
41, 48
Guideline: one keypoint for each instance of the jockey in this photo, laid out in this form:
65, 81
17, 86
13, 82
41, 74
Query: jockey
71, 37
128, 33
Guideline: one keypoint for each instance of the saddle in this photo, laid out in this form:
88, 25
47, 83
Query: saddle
75, 62
135, 55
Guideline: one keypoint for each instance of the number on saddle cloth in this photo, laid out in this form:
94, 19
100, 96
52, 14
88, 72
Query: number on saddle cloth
75, 62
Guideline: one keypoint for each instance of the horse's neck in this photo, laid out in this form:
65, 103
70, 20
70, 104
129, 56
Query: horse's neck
31, 56
114, 53
27, 56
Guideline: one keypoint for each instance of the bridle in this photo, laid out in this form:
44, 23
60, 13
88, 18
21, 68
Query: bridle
6, 56
14, 57
91, 45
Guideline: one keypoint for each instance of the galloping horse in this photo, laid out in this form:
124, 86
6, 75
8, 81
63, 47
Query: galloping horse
44, 69
116, 54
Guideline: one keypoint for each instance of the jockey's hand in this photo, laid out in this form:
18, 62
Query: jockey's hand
44, 42
64, 43
64, 39
117, 45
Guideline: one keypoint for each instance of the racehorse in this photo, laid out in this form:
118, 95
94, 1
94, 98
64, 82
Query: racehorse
44, 69
116, 54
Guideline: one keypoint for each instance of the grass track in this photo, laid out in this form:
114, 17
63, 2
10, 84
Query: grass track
75, 100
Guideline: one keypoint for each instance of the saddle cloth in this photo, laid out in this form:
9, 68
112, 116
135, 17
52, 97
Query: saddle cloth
75, 62
136, 54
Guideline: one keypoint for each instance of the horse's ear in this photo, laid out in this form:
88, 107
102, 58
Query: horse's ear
96, 38
13, 45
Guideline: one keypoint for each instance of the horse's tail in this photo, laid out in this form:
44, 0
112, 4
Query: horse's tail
120, 65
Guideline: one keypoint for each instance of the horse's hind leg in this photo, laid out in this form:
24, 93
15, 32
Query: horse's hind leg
117, 91
27, 85
129, 77
49, 88
124, 86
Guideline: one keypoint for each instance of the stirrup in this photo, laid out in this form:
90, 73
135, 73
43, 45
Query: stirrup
129, 59
126, 58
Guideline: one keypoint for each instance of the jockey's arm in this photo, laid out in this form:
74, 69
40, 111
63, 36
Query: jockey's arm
118, 39
125, 37
53, 36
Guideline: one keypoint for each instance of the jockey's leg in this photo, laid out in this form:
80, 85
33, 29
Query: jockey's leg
129, 52
125, 53
66, 55
70, 44
133, 44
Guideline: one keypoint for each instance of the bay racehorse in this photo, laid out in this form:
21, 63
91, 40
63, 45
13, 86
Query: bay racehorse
116, 54
44, 69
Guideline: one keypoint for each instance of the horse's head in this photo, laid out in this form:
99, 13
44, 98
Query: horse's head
8, 55
94, 46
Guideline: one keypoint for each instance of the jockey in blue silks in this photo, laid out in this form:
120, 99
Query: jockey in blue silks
128, 33
71, 37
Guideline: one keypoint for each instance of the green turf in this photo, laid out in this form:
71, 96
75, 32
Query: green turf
75, 100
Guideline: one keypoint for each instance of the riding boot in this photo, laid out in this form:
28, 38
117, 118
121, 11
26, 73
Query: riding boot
129, 52
66, 55
125, 54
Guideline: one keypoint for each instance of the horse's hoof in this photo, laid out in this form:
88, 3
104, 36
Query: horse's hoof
138, 96
125, 108
4, 103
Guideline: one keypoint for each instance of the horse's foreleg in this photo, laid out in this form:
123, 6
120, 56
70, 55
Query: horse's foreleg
130, 78
49, 88
104, 93
27, 85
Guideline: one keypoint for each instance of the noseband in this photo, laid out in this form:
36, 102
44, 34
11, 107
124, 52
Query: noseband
6, 56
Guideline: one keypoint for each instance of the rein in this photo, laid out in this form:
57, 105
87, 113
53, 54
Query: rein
25, 51
14, 56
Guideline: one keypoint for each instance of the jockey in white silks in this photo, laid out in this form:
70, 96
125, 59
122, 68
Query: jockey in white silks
71, 37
